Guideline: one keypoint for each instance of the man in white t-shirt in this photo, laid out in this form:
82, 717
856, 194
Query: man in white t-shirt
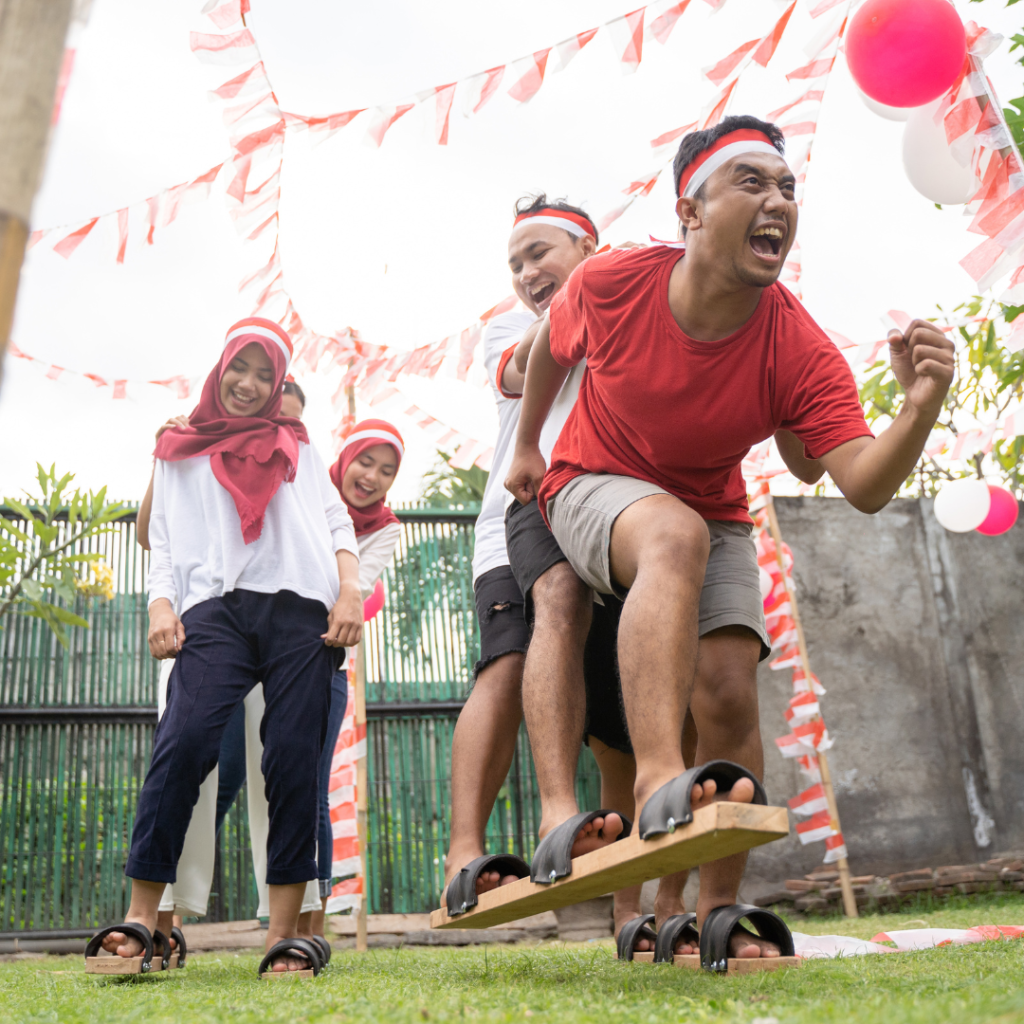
548, 241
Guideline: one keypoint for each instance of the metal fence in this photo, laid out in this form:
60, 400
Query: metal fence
76, 730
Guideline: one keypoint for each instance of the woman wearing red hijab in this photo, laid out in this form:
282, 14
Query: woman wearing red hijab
253, 578
364, 472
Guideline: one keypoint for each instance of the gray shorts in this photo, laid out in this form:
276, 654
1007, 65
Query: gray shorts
581, 517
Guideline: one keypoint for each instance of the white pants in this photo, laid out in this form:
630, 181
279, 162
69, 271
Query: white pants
190, 894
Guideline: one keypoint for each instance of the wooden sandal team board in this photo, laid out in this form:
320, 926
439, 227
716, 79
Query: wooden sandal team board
126, 964
717, 831
691, 962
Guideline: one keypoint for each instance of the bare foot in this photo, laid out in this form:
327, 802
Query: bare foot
284, 962
668, 903
485, 881
747, 946
706, 793
626, 907
126, 945
595, 834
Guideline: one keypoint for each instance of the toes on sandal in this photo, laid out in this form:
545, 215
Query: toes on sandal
631, 932
461, 895
678, 928
723, 922
141, 964
553, 858
325, 948
669, 807
294, 948
181, 949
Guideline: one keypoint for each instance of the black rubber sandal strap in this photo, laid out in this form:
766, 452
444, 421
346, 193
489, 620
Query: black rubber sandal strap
722, 922
182, 948
630, 932
325, 948
291, 947
678, 928
670, 806
136, 931
461, 893
160, 940
553, 858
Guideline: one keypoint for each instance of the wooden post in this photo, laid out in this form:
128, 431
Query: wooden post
849, 900
362, 777
32, 34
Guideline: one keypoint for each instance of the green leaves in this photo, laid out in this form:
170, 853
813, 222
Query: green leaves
45, 561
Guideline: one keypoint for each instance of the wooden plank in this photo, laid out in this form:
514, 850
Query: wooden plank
742, 966
304, 975
120, 965
716, 831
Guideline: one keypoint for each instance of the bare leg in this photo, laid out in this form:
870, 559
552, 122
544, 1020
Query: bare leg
304, 926
143, 909
725, 711
659, 550
554, 701
482, 750
317, 919
285, 904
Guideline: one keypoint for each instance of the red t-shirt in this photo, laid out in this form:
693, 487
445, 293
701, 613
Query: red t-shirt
657, 405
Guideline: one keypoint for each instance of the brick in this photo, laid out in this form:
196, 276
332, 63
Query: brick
802, 885
923, 885
911, 876
836, 892
772, 898
969, 887
968, 875
943, 890
1009, 875
1007, 863
822, 875
1019, 886
862, 879
811, 904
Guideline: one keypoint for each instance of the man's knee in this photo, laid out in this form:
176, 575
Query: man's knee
727, 701
561, 599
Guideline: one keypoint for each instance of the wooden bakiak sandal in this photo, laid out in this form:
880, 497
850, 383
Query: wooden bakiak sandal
462, 896
295, 948
142, 964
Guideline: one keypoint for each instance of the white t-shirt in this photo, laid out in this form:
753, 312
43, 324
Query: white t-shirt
375, 551
196, 536
503, 332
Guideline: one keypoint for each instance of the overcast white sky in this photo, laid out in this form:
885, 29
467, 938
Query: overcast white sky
407, 243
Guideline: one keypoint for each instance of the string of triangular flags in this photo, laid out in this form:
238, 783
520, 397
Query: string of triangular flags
346, 859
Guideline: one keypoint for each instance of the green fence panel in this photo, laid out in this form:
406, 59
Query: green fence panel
76, 732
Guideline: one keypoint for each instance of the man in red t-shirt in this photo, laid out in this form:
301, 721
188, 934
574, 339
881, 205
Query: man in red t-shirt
690, 362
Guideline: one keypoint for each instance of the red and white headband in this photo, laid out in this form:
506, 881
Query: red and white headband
263, 329
376, 434
734, 144
568, 221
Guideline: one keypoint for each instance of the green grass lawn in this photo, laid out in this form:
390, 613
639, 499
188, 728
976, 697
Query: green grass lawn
980, 984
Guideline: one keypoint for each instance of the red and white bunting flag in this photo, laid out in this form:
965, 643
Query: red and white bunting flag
643, 186
502, 307
627, 36
608, 219
383, 119
661, 28
825, 5
568, 48
444, 95
63, 79
789, 658
796, 128
529, 75
810, 96
808, 765
233, 48
120, 389
252, 107
69, 243
801, 685
322, 127
226, 13
770, 43
479, 89
835, 848
791, 746
182, 386
718, 73
810, 801
718, 105
669, 137
468, 341
815, 69
814, 735
253, 80
54, 372
815, 828
468, 453
801, 707
122, 233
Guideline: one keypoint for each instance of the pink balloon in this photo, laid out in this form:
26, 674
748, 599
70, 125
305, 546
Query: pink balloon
374, 602
1002, 514
905, 53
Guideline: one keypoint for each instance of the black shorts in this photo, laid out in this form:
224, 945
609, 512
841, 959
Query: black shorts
499, 610
532, 550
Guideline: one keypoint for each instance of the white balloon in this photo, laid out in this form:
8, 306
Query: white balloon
961, 506
928, 162
883, 110
766, 583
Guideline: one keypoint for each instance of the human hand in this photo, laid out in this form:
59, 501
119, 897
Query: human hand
166, 633
345, 619
923, 361
526, 473
174, 421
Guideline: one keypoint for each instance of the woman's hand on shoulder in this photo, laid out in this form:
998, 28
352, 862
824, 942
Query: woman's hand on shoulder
345, 619
166, 633
174, 421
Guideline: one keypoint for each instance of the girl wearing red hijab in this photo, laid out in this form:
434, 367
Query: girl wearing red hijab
362, 475
254, 577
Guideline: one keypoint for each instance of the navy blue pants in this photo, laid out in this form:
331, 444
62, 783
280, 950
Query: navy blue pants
231, 644
231, 765
325, 837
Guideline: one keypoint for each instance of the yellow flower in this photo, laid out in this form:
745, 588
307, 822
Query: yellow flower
101, 584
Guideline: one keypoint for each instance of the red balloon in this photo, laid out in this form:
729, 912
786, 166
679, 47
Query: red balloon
1002, 513
374, 602
905, 53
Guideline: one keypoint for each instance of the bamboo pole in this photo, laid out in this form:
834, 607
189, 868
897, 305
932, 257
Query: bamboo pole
361, 786
32, 37
849, 900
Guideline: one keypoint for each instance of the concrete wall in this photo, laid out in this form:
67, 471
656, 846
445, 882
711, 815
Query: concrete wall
916, 635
